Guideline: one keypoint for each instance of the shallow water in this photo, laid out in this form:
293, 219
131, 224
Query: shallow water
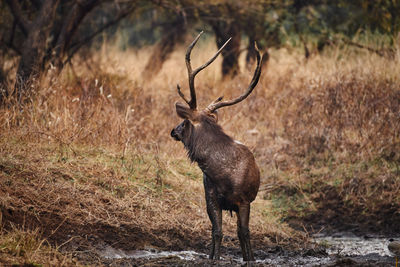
195, 257
360, 249
354, 246
112, 253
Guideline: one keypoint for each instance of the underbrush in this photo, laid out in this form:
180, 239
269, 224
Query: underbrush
360, 197
338, 163
87, 160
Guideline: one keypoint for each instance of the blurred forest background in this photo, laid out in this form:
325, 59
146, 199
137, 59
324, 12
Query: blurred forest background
87, 92
43, 34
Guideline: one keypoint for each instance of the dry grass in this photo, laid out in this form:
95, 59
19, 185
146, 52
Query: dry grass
92, 148
24, 246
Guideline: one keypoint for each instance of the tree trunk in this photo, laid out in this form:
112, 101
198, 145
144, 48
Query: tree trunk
172, 34
34, 47
74, 18
223, 31
251, 54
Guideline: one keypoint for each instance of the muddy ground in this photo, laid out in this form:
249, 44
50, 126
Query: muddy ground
99, 226
100, 244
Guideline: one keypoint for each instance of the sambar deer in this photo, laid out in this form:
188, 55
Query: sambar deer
230, 173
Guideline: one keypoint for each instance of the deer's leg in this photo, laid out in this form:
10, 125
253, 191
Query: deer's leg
215, 214
243, 215
241, 240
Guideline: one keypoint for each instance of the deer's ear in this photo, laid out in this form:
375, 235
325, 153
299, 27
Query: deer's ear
183, 111
214, 115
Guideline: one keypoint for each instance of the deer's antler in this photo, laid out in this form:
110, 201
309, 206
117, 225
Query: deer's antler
218, 104
192, 73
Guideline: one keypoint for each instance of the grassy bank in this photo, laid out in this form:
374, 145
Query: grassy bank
88, 162
338, 167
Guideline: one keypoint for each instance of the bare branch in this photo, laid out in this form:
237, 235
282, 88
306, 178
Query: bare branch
77, 45
370, 49
16, 10
10, 43
75, 16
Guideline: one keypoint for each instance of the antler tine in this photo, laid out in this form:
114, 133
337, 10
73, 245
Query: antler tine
181, 94
218, 104
192, 74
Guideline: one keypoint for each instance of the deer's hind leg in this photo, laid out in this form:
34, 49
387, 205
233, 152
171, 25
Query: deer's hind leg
243, 215
214, 212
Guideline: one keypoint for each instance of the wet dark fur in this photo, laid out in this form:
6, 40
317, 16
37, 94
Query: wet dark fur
210, 134
230, 174
218, 156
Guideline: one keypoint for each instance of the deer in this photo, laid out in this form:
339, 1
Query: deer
231, 176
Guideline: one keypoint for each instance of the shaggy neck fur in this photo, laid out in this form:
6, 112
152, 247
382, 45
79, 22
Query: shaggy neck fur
208, 137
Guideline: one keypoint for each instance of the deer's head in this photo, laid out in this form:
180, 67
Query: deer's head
192, 117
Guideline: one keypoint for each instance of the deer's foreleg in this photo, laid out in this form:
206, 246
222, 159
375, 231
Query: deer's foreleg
215, 214
243, 231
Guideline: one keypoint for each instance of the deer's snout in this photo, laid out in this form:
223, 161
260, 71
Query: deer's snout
175, 135
177, 132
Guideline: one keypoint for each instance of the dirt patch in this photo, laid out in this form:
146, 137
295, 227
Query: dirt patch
71, 232
86, 242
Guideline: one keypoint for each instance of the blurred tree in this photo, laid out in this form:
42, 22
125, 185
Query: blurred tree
175, 17
36, 33
224, 19
173, 31
50, 32
43, 32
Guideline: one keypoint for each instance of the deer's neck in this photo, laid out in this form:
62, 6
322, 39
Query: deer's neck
207, 141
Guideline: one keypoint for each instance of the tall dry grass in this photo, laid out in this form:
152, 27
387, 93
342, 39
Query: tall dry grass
340, 100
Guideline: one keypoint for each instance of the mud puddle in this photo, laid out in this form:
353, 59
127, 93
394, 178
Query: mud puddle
353, 245
332, 251
192, 258
112, 253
